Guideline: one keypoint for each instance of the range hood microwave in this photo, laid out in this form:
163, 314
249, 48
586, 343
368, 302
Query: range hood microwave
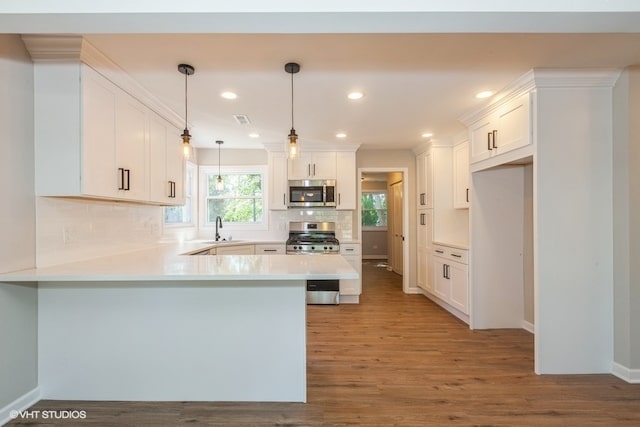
309, 193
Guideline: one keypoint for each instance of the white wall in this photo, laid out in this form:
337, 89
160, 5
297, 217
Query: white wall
18, 304
72, 230
626, 231
573, 223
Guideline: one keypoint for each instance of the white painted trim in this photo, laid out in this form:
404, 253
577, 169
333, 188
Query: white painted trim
629, 375
528, 326
73, 48
405, 217
457, 313
20, 404
544, 78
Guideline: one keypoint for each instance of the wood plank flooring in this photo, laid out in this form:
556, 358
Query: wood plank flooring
399, 359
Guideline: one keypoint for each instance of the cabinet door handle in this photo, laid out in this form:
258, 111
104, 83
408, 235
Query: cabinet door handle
422, 199
339, 199
284, 199
269, 250
308, 169
128, 179
448, 271
421, 219
314, 169
495, 136
467, 195
348, 249
444, 270
439, 251
456, 255
173, 189
489, 135
121, 183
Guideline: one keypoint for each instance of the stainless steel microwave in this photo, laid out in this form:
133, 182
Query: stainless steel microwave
309, 193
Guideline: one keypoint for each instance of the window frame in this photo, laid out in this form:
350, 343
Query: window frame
205, 171
369, 227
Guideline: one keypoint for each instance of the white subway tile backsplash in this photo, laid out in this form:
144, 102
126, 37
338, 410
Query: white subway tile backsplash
71, 230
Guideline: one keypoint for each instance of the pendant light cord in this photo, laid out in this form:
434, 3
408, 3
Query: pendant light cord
186, 108
292, 126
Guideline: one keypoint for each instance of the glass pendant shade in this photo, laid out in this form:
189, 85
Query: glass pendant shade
186, 146
293, 144
219, 181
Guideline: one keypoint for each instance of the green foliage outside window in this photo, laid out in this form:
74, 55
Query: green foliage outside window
374, 209
239, 202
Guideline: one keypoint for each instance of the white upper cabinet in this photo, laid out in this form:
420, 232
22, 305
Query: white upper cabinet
505, 129
313, 165
278, 180
95, 140
346, 180
98, 176
461, 176
131, 148
424, 164
167, 165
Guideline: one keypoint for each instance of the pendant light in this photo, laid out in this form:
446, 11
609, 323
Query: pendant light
187, 70
219, 182
292, 68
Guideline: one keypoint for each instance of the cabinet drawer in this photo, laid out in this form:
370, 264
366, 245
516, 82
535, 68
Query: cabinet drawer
276, 249
453, 254
350, 249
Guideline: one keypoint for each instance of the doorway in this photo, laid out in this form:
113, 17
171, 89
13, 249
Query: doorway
395, 237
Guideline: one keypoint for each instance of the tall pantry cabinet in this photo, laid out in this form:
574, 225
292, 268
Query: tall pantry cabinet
438, 222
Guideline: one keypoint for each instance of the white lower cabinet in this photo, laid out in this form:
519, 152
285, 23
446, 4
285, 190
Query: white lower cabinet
424, 239
351, 289
451, 279
236, 250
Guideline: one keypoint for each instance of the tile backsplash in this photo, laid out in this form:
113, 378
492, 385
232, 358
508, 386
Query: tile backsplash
70, 230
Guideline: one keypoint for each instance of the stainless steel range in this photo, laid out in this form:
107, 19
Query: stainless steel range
312, 238
316, 238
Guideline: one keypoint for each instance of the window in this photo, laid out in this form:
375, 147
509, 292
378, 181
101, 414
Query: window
241, 203
374, 209
184, 215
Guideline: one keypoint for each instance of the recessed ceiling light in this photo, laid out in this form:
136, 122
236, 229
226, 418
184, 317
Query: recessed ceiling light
355, 95
254, 135
341, 135
228, 95
484, 94
427, 135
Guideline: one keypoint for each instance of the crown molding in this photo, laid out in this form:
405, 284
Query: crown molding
73, 48
544, 78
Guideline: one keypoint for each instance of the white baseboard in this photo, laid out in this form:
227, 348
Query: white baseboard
528, 326
20, 404
629, 375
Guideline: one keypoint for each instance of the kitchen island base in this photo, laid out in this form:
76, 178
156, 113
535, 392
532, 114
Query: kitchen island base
215, 340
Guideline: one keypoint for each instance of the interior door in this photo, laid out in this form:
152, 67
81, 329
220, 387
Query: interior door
396, 228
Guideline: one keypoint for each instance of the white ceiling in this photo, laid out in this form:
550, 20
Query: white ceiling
419, 68
413, 83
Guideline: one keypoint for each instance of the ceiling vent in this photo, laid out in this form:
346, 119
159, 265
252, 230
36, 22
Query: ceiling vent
242, 119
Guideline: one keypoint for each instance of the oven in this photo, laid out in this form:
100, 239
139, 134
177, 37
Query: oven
316, 238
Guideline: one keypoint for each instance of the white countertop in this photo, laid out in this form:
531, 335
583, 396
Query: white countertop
165, 262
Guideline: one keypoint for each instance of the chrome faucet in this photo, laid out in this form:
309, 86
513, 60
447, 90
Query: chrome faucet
218, 225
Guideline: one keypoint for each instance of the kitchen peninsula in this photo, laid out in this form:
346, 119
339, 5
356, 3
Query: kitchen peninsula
160, 325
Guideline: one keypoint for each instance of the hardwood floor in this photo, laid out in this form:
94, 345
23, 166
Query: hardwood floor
399, 359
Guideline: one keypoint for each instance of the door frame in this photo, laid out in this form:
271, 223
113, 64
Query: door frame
405, 215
